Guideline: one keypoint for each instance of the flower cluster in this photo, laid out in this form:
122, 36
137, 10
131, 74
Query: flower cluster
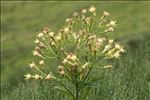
78, 46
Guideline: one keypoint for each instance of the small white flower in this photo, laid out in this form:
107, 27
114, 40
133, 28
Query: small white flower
51, 34
117, 46
40, 35
66, 30
58, 38
92, 9
116, 55
35, 53
32, 65
75, 14
41, 62
36, 41
36, 77
73, 57
49, 77
105, 13
28, 76
111, 41
107, 47
112, 23
84, 11
122, 50
99, 40
64, 61
68, 56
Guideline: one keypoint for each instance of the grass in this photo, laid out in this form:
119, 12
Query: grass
127, 81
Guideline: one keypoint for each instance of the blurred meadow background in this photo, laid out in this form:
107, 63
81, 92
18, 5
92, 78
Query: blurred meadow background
20, 20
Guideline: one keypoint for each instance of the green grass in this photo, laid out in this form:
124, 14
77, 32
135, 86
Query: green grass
21, 20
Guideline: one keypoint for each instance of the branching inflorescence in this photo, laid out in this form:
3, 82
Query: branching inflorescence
78, 47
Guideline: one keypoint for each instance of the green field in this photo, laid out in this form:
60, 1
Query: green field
20, 20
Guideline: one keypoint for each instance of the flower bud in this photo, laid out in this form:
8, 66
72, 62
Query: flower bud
75, 14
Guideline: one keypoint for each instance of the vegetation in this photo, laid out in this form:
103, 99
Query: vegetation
128, 80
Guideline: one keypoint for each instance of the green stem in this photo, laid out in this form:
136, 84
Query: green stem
77, 91
66, 89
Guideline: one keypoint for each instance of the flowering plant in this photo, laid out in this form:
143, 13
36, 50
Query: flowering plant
79, 47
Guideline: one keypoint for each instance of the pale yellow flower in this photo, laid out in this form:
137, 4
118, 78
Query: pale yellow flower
28, 76
117, 46
40, 35
84, 11
105, 13
49, 77
66, 30
116, 55
64, 61
37, 77
37, 41
111, 41
32, 65
58, 38
92, 9
41, 62
51, 34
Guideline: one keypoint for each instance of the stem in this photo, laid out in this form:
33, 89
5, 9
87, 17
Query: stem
77, 91
66, 89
